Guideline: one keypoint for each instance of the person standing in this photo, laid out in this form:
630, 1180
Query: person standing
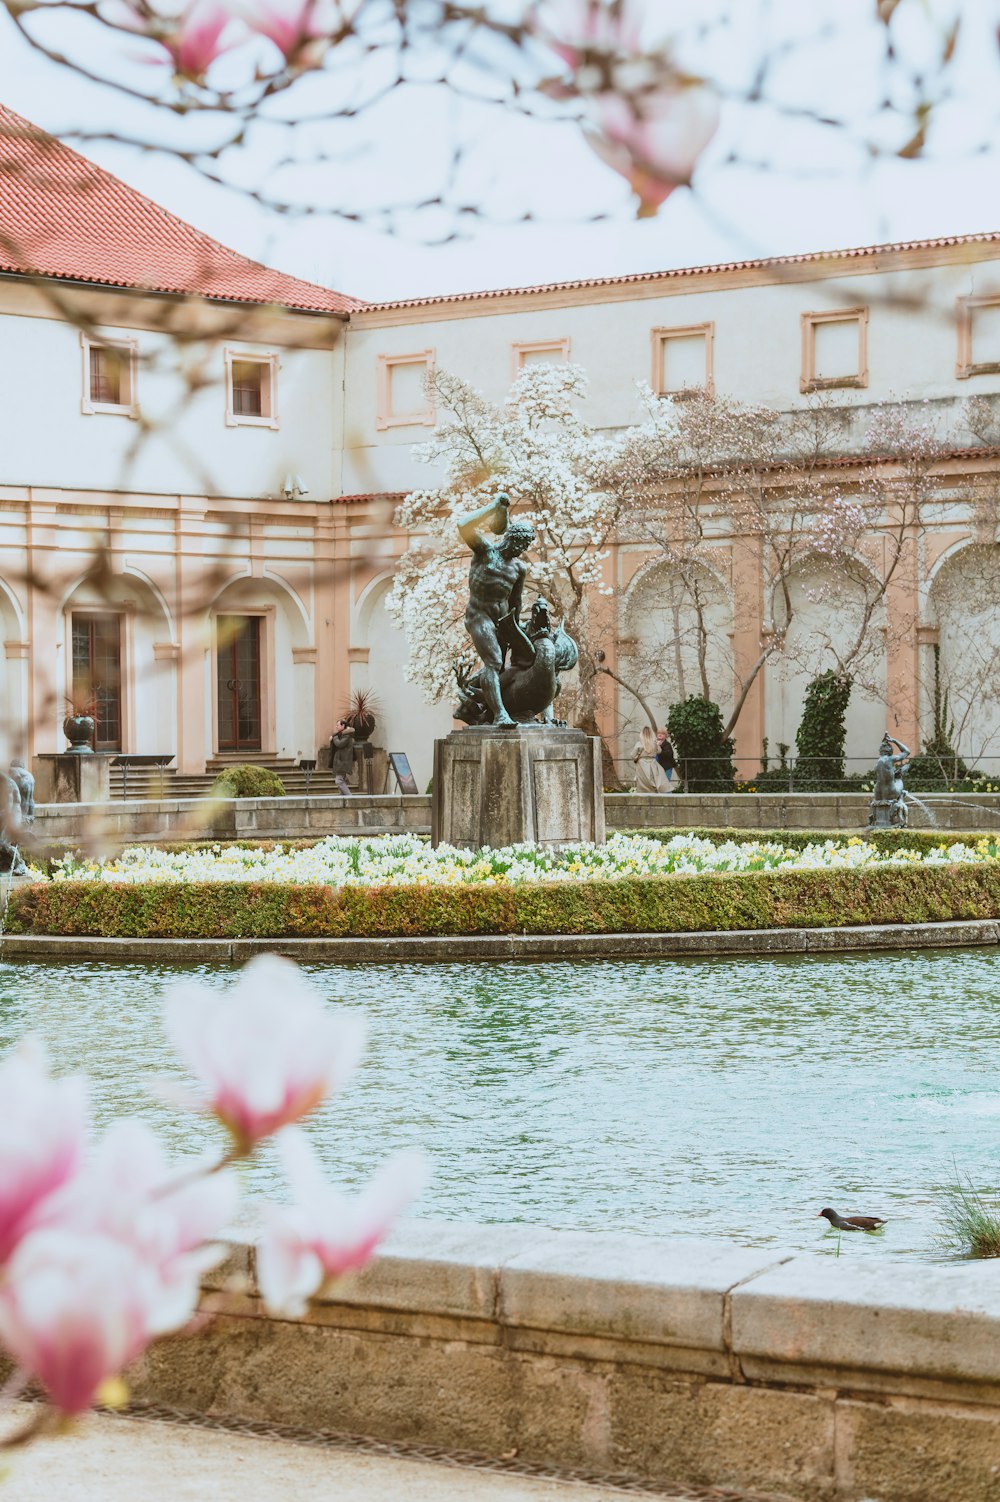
649, 775
342, 750
665, 755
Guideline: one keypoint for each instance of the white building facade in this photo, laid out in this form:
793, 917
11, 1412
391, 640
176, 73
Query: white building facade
200, 471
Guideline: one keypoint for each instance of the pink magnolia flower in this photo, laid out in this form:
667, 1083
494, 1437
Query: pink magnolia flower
573, 28
293, 25
654, 142
193, 38
325, 1234
267, 1051
75, 1309
168, 1217
43, 1133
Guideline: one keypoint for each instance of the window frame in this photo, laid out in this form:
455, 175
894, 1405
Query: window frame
811, 321
385, 417
965, 365
659, 338
520, 348
271, 361
130, 349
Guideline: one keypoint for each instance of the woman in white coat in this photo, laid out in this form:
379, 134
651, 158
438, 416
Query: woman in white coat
649, 775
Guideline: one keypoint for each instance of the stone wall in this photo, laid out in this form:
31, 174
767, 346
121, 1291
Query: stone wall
142, 821
665, 1360
846, 812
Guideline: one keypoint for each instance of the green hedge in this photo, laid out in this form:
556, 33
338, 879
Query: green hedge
671, 904
247, 781
797, 839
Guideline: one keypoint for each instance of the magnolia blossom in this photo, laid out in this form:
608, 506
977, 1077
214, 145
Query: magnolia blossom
193, 34
266, 1051
43, 1132
654, 142
167, 1216
325, 1234
573, 28
294, 25
75, 1309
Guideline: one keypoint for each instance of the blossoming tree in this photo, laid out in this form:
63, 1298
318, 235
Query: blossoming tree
555, 467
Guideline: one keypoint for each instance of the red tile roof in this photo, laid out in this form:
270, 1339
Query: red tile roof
61, 216
851, 253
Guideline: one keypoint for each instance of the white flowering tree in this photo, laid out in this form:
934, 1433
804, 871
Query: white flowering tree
556, 469
720, 491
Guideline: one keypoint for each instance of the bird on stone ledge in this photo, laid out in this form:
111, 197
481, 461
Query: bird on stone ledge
852, 1222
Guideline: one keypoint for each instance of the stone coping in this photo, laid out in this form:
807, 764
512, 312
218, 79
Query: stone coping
683, 1303
660, 1358
954, 935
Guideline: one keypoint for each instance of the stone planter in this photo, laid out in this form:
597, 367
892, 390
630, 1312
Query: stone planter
79, 731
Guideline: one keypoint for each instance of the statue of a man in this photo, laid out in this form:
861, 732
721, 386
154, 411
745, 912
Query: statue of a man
496, 583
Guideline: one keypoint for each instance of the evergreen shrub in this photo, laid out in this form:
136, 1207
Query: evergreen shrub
247, 781
822, 731
704, 757
671, 904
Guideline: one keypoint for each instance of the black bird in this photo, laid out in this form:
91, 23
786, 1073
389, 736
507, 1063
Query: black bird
852, 1222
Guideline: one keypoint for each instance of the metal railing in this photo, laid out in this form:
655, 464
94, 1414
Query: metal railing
816, 774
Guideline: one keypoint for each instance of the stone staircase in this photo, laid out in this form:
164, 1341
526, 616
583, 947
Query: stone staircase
150, 782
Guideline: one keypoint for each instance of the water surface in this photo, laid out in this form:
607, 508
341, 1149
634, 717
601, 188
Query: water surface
720, 1097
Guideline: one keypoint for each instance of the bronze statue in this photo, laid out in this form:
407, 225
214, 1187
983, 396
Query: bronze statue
888, 804
518, 692
10, 818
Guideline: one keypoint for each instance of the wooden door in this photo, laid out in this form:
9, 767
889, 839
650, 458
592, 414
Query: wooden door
97, 675
238, 681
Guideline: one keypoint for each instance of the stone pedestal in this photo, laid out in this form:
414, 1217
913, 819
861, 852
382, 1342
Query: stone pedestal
533, 783
68, 777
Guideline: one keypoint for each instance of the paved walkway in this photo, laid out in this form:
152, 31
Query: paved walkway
111, 1459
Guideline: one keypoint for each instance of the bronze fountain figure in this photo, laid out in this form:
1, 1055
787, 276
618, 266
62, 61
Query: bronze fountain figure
519, 678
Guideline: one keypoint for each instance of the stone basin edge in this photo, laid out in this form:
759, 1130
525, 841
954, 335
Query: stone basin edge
667, 1360
897, 1323
952, 934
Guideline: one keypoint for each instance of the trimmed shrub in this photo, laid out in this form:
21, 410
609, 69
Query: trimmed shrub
670, 904
247, 781
705, 759
820, 737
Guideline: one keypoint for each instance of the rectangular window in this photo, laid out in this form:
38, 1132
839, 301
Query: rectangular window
237, 662
539, 352
251, 390
683, 361
109, 376
97, 675
834, 349
978, 336
404, 394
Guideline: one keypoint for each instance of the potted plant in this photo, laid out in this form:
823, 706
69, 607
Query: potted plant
360, 713
79, 726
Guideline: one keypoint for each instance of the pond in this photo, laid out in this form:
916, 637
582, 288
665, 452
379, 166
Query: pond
706, 1097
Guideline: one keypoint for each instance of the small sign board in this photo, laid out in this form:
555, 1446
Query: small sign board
400, 764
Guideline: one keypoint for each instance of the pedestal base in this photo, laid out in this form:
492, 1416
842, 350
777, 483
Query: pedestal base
537, 784
67, 777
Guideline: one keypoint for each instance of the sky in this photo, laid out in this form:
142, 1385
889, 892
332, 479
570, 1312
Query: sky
794, 185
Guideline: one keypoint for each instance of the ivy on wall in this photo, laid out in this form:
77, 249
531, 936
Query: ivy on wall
822, 730
703, 754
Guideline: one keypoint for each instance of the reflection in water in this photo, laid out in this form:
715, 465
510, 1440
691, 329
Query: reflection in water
700, 1097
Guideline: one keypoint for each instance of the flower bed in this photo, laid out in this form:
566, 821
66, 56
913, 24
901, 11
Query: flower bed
396, 887
405, 860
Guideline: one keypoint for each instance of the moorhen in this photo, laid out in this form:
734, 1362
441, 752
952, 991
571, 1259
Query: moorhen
852, 1222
